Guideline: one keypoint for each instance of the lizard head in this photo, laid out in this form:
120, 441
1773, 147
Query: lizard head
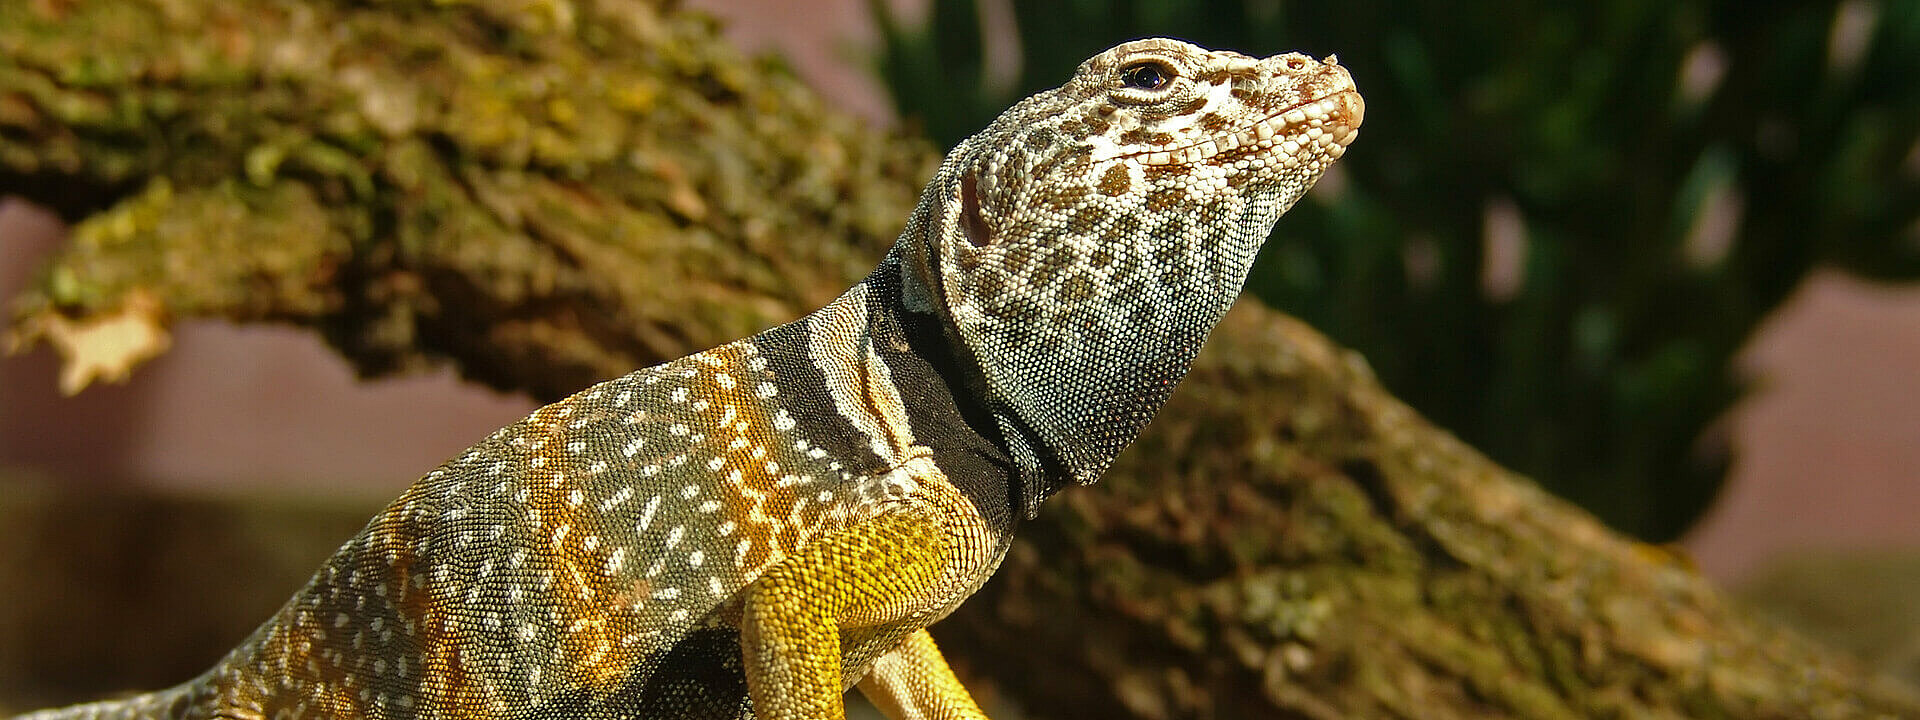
1083, 245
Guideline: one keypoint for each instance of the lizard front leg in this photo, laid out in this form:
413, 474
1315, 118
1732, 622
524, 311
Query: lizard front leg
881, 574
914, 683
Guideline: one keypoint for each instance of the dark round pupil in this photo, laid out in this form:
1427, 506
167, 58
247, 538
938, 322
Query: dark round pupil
1145, 76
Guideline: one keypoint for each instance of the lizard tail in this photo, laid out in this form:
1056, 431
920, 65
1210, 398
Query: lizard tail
175, 703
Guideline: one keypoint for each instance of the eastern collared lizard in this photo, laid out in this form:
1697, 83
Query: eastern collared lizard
751, 530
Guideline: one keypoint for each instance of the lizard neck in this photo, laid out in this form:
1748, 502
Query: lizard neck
882, 384
1074, 341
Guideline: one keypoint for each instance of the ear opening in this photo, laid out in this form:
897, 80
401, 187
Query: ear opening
971, 223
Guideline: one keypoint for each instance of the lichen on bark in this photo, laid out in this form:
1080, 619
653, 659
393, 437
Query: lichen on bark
573, 189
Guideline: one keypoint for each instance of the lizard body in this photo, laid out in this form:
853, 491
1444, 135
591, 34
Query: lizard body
751, 530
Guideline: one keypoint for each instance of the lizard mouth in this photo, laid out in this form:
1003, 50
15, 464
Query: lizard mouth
1330, 122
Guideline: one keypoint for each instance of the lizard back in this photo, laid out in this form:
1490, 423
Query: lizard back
581, 562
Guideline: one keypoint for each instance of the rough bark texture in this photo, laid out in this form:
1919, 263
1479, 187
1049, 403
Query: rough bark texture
551, 192
546, 193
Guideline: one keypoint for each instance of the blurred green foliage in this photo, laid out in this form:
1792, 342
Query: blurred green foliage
1560, 221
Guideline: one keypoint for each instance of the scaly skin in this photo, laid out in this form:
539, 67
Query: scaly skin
751, 530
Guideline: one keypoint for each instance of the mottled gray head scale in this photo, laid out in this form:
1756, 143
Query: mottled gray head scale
1086, 242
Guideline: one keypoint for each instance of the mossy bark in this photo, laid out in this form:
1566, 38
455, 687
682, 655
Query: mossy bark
551, 192
546, 193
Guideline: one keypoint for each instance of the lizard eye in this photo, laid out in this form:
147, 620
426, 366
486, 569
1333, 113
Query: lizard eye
1146, 75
